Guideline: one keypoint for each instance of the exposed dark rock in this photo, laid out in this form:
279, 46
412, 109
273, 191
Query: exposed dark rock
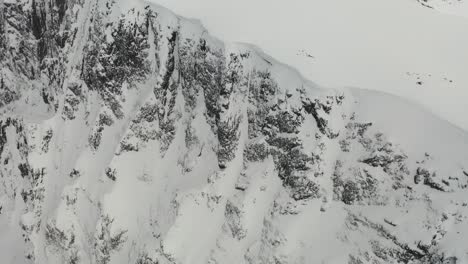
417, 178
316, 108
74, 173
110, 173
429, 179
24, 169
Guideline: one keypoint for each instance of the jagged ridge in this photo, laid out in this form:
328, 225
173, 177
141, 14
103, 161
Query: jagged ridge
129, 135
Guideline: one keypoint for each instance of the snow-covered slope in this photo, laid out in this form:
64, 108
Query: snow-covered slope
130, 135
452, 7
396, 46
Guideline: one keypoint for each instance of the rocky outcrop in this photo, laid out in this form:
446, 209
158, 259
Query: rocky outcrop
130, 135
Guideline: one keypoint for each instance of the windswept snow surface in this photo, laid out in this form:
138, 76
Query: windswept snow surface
135, 136
396, 46
452, 7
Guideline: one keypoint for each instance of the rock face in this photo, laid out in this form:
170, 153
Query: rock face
130, 135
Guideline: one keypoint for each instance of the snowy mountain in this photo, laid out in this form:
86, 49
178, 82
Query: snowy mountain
130, 135
399, 47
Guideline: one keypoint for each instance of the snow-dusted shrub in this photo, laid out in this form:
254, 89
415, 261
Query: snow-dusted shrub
55, 237
105, 119
285, 122
303, 188
144, 258
354, 260
95, 137
350, 192
256, 152
344, 145
62, 243
233, 218
46, 140
7, 95
288, 163
284, 143
107, 66
228, 136
202, 67
106, 242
